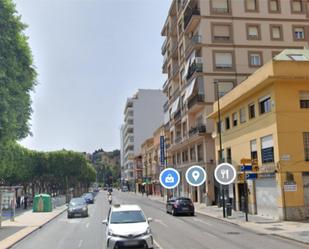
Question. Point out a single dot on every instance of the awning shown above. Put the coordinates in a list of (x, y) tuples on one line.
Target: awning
[(189, 90), (175, 106)]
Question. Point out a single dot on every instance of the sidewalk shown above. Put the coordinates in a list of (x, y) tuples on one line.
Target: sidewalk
[(13, 231), (297, 231)]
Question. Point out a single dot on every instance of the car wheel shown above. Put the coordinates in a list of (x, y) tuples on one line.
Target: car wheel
[(173, 212), (192, 214)]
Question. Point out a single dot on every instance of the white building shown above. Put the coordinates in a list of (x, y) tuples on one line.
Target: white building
[(143, 114)]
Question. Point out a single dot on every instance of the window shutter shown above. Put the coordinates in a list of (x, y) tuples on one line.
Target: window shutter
[(304, 95), (223, 59), (267, 142), (221, 31)]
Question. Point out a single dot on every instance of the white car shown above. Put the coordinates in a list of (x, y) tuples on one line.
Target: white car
[(127, 227)]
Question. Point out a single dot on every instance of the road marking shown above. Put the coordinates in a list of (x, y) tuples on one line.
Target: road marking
[(87, 225), (80, 243), (161, 222), (211, 235), (157, 244), (206, 223)]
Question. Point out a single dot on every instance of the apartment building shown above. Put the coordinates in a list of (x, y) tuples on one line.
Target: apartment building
[(265, 119), (143, 113), (220, 41)]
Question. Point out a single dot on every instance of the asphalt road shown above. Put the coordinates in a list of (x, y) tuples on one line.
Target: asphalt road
[(181, 232)]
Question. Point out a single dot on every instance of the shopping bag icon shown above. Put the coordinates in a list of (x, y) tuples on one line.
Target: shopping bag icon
[(169, 179)]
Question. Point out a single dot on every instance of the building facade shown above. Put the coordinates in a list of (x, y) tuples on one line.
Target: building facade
[(143, 113), (265, 119), (220, 41)]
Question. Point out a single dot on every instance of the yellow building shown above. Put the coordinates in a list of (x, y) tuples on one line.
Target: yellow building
[(266, 118)]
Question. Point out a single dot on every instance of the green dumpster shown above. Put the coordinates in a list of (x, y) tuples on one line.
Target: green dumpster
[(42, 203)]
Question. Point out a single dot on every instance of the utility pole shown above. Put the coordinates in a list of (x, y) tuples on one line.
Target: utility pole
[(222, 187)]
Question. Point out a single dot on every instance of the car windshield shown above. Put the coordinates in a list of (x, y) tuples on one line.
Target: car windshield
[(185, 201), (134, 216), (77, 201)]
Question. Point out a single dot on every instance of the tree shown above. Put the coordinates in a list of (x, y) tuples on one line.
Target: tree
[(17, 75)]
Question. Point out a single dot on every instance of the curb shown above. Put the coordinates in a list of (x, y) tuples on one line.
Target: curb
[(289, 238), (37, 228)]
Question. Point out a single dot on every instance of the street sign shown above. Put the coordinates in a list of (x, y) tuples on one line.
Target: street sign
[(245, 167), (195, 176), (225, 173), (169, 178), (251, 176)]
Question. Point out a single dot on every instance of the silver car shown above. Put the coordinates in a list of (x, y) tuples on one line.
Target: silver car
[(127, 227)]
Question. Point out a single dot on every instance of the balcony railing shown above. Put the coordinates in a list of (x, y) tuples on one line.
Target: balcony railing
[(200, 129), (196, 66), (175, 70), (198, 98), (163, 48), (188, 15), (178, 139), (196, 39), (177, 116), (165, 106)]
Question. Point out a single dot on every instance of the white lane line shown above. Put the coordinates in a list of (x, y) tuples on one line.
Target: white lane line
[(157, 244), (80, 243), (161, 222), (211, 235), (87, 225), (206, 223)]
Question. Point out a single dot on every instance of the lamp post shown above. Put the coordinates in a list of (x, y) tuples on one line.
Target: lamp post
[(222, 188)]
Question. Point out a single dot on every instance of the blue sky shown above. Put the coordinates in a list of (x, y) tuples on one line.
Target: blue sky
[(90, 56)]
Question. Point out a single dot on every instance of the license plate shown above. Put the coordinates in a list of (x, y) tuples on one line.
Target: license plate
[(185, 209), (130, 243), (78, 215)]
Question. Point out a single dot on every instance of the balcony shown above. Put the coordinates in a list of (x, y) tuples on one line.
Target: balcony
[(195, 67), (191, 18), (177, 116), (200, 129), (175, 70), (178, 139), (194, 41), (196, 102), (163, 48), (164, 66), (165, 106)]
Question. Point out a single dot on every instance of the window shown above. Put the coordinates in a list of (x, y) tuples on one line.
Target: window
[(306, 145), (184, 129), (234, 116), (220, 6), (251, 110), (222, 32), (253, 150), (228, 155), (253, 32), (297, 57), (223, 60), (265, 104), (227, 123), (299, 33), (304, 99), (200, 155), (255, 59), (296, 6), (224, 87), (242, 115), (178, 158), (276, 32), (274, 6), (192, 154), (251, 5), (267, 149)]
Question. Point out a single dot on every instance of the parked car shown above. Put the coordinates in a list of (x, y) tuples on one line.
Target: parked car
[(89, 198), (124, 188), (127, 227), (180, 205), (77, 207)]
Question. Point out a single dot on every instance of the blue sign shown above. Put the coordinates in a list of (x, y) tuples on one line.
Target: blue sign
[(196, 176), (169, 178), (162, 150), (251, 176), (246, 168)]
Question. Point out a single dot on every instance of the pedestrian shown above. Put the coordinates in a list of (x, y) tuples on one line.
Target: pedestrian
[(25, 201), (18, 202)]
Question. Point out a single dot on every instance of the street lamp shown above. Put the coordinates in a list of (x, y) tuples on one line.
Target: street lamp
[(222, 188)]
